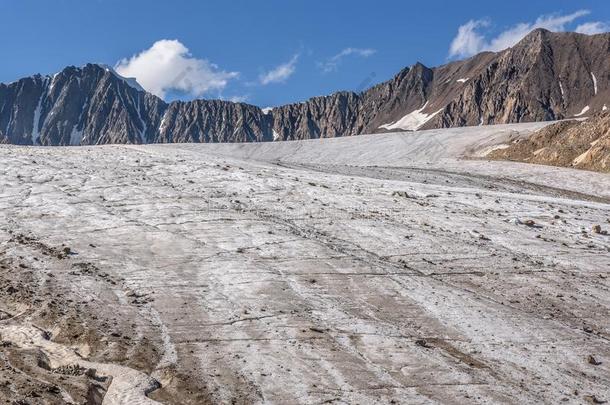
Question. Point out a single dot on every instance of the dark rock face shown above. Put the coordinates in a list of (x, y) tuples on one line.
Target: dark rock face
[(93, 105), (546, 76), (212, 121), (320, 117), (89, 105)]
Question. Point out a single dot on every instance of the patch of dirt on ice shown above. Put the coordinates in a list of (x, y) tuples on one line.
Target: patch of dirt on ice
[(60, 343), (26, 375), (126, 385), (453, 351), (578, 144)]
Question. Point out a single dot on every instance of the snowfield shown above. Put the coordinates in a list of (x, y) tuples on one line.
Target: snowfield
[(412, 121), (371, 269)]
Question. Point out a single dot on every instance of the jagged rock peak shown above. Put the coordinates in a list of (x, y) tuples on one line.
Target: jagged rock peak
[(546, 76)]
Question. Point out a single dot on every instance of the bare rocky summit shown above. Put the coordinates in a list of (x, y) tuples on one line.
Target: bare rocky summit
[(546, 76), (579, 144)]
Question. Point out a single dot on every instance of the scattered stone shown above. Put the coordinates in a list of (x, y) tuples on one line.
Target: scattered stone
[(594, 400), (53, 389), (402, 194), (598, 230), (593, 361), (423, 343), (71, 369)]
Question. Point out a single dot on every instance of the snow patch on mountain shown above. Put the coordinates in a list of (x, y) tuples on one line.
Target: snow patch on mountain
[(53, 82), (143, 123), (163, 120), (76, 136), (36, 121), (487, 150), (583, 112), (412, 121)]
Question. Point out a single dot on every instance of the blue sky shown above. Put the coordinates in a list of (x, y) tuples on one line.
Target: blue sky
[(267, 52)]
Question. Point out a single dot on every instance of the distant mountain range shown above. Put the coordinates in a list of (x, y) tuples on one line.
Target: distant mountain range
[(546, 76)]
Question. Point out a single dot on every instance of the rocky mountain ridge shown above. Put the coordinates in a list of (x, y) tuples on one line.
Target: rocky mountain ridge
[(546, 76)]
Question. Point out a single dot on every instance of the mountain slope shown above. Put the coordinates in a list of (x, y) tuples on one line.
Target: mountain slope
[(580, 144), (89, 105), (546, 76), (93, 105)]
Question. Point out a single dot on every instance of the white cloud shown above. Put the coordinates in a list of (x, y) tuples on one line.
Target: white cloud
[(594, 27), (332, 64), (470, 41), (239, 99), (168, 65), (281, 73)]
